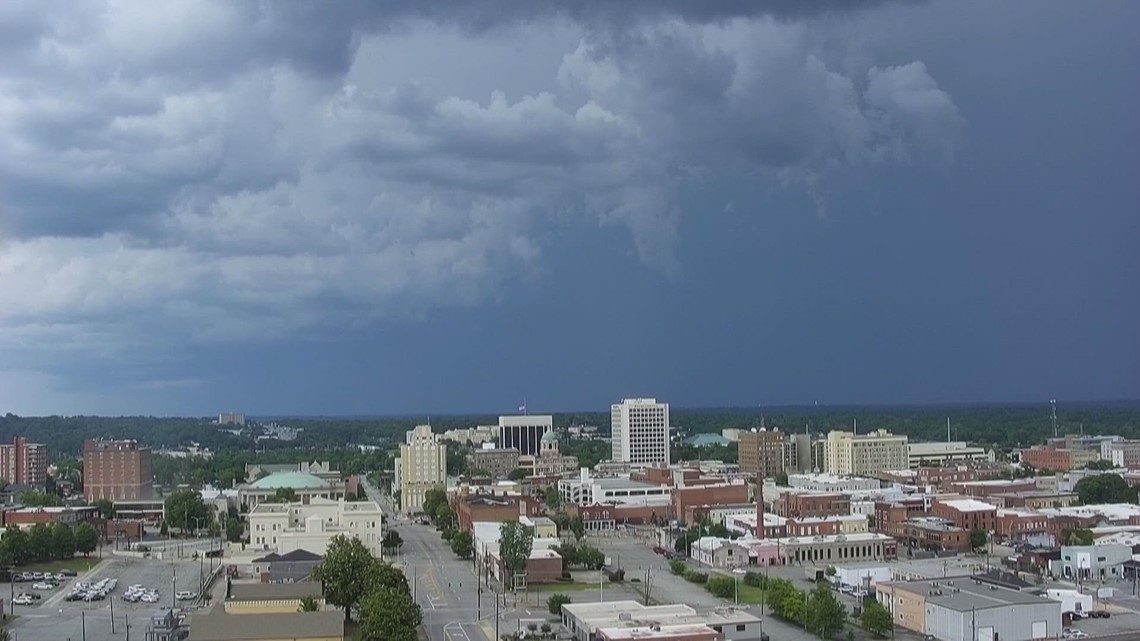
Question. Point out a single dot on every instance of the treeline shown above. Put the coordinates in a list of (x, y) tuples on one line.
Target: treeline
[(228, 466), (1003, 426)]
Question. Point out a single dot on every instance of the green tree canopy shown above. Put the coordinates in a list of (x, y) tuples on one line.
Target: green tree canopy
[(15, 546), (555, 602), (722, 586), (86, 538), (876, 619), (392, 540), (308, 604), (461, 544), (40, 499), (782, 479), (515, 542), (432, 500), (517, 474), (552, 497), (1105, 488), (40, 542), (62, 541), (106, 508), (389, 614), (978, 539), (825, 614), (185, 509), (345, 571)]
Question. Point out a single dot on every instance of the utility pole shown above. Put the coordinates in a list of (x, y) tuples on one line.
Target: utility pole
[(973, 625), (112, 601), (83, 622), (496, 614)]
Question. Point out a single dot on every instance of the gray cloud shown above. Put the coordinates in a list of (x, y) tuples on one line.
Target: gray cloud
[(204, 169)]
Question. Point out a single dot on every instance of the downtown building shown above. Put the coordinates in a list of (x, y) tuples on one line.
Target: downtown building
[(23, 463), (762, 452), (639, 430), (524, 433), (117, 471), (865, 454), (422, 466)]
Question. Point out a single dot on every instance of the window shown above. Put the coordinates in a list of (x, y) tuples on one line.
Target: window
[(740, 627)]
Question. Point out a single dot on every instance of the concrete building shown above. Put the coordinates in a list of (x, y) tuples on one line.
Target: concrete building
[(1125, 454), (862, 576), (270, 598), (305, 488), (804, 453), (231, 418), (524, 433), (963, 608), (832, 483), (1092, 562), (639, 431), (472, 435), (284, 527), (949, 453), (422, 466), (587, 490), (23, 463), (1034, 500), (761, 452), (117, 470), (865, 454), (497, 462), (584, 621), (715, 552), (837, 548)]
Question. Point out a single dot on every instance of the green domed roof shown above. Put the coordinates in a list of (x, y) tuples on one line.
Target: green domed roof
[(293, 480), (549, 437)]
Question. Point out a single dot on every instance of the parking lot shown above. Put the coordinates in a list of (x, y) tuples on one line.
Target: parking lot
[(53, 617)]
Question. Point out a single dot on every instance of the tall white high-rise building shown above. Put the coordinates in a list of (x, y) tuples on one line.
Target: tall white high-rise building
[(422, 466), (640, 431)]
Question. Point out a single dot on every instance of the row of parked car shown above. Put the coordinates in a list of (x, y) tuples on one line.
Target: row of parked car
[(92, 591), (25, 577)]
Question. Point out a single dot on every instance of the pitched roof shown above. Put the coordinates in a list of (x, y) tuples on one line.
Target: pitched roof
[(273, 591), (300, 555), (216, 625)]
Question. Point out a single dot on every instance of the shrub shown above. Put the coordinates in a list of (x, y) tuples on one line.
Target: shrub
[(678, 567), (692, 576), (756, 580), (555, 602), (722, 586)]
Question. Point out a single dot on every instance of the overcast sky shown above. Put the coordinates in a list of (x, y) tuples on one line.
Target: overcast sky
[(429, 207)]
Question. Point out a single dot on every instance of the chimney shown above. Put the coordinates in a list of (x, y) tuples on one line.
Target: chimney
[(760, 506)]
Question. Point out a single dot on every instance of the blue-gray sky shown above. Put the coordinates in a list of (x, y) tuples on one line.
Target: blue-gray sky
[(409, 207)]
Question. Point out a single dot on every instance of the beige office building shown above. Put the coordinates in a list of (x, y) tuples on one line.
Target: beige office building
[(422, 466), (865, 454)]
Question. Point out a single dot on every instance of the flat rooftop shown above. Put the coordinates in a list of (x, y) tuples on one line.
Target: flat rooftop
[(622, 483), (968, 505), (962, 594), (657, 632)]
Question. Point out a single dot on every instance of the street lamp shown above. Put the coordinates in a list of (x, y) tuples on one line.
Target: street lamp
[(197, 520)]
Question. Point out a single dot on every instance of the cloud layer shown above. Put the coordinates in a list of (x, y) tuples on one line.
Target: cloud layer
[(208, 172)]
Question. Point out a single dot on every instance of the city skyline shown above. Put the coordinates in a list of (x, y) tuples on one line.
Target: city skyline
[(415, 210)]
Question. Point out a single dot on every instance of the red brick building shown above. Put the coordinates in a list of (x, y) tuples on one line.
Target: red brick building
[(888, 513), (994, 486), (493, 508), (761, 453), (606, 517), (23, 463), (715, 494), (117, 470), (805, 504), (968, 514), (1057, 459), (1015, 525), (26, 517), (931, 533)]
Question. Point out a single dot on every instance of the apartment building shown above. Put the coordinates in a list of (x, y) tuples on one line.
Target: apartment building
[(495, 461), (23, 463), (809, 504), (761, 452), (804, 453), (1125, 454), (640, 431), (422, 466), (1058, 459), (864, 454), (117, 470)]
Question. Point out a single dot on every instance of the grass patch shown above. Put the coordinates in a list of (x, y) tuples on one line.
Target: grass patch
[(750, 595), (79, 564), (562, 587)]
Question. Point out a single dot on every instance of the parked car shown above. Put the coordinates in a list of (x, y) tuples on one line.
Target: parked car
[(68, 572), (43, 585), (23, 599), (185, 596)]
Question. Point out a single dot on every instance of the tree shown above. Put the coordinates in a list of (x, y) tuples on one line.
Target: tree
[(40, 499), (722, 586), (1100, 464), (392, 540), (39, 542), (517, 474), (576, 526), (432, 499), (86, 538), (444, 518), (678, 567), (283, 495), (876, 619), (825, 614), (163, 529), (782, 479), (386, 575), (555, 602), (461, 544), (978, 539), (308, 604), (552, 497), (1080, 536), (15, 546), (515, 542), (830, 571), (62, 541), (1105, 488), (389, 614), (106, 508), (185, 509), (235, 529), (345, 571)]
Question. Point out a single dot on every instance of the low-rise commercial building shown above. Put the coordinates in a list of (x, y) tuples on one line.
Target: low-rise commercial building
[(931, 533), (583, 621), (493, 508), (606, 517), (1092, 562), (962, 608), (807, 504), (1058, 459), (946, 453), (984, 488), (1017, 525), (685, 497), (1034, 500), (587, 490), (838, 548), (27, 517), (216, 624), (305, 487), (832, 483), (496, 462), (271, 598), (290, 567), (968, 514)]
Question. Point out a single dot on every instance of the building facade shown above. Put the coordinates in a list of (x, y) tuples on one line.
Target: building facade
[(285, 527), (117, 470), (524, 433), (497, 462), (23, 463), (948, 453), (640, 431), (549, 461), (761, 452), (962, 608), (422, 466), (866, 454)]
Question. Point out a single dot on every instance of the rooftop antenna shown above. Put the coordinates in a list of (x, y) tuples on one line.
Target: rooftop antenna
[(1053, 402)]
